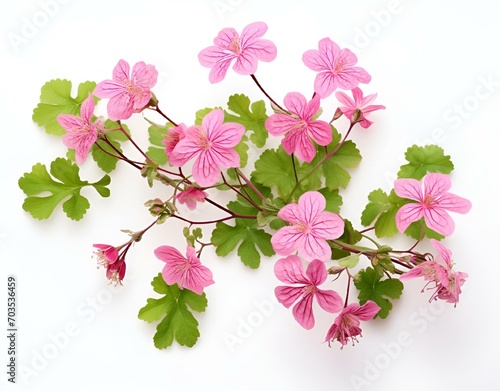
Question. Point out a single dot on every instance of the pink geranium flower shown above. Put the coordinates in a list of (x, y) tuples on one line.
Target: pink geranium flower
[(186, 272), (439, 271), (291, 271), (433, 200), (81, 132), (174, 135), (127, 93), (299, 126), (336, 68), (310, 228), (191, 196), (246, 49), (359, 103), (346, 325), (114, 262), (212, 144)]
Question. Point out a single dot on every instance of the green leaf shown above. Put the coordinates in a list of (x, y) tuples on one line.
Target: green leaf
[(245, 234), (104, 160), (350, 236), (177, 321), (156, 151), (274, 168), (333, 199), (39, 182), (350, 261), (415, 231), (383, 209), (371, 288), (56, 99), (422, 160), (253, 117), (335, 168)]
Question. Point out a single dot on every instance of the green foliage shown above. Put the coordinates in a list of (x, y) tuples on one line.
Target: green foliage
[(177, 321), (350, 261), (333, 199), (67, 188), (105, 161), (156, 150), (350, 236), (371, 288), (55, 99), (422, 160), (383, 209), (245, 234), (252, 117)]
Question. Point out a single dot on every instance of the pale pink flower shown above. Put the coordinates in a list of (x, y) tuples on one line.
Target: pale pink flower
[(114, 262), (81, 132), (187, 273), (433, 200), (212, 144), (291, 271), (363, 104), (346, 325), (300, 127), (191, 196), (310, 229), (448, 282), (336, 68), (247, 49), (174, 135), (127, 93)]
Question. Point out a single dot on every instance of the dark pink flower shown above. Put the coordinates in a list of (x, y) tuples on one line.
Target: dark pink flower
[(291, 271), (336, 68), (173, 137), (363, 104), (310, 229), (212, 144), (114, 261), (246, 49), (299, 127), (346, 325), (127, 93), (81, 132), (191, 196), (187, 272), (447, 282), (433, 200)]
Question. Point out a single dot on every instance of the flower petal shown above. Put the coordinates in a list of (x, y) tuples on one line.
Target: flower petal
[(287, 295), (206, 172), (263, 49), (290, 270), (367, 311), (320, 132), (278, 124), (144, 76), (120, 107), (296, 103), (286, 240), (436, 184), (223, 157), (329, 300), (87, 109), (121, 72), (454, 203), (70, 122), (407, 214), (439, 220), (227, 135), (168, 254), (316, 272), (311, 204), (302, 312), (409, 188), (291, 214), (442, 251), (328, 226), (312, 247), (252, 33)]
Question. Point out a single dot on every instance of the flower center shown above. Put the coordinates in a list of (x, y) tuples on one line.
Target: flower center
[(204, 143), (235, 45), (303, 227), (338, 67), (428, 200)]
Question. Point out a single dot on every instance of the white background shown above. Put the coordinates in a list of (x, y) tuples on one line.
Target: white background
[(429, 62)]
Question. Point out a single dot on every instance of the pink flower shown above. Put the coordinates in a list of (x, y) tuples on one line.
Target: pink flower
[(439, 271), (336, 68), (291, 271), (191, 196), (127, 94), (81, 133), (212, 144), (247, 49), (433, 200), (310, 228), (173, 137), (187, 273), (359, 103), (346, 325), (114, 262), (299, 126)]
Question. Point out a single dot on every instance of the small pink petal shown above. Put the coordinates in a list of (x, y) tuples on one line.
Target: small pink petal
[(436, 184), (409, 188), (407, 214), (287, 295), (454, 203), (316, 272), (302, 312), (439, 220), (329, 300), (367, 311)]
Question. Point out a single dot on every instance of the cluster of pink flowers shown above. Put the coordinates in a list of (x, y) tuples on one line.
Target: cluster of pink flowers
[(310, 229)]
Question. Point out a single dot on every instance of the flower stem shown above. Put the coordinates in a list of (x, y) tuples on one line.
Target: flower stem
[(250, 184), (157, 109), (348, 288), (233, 216), (134, 144), (266, 94), (294, 169)]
